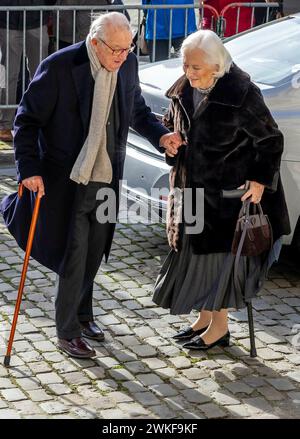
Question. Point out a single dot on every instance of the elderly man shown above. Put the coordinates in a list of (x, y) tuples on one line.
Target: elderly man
[(70, 140)]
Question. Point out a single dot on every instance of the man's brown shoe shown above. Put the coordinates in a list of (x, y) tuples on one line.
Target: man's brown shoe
[(76, 347), (92, 331), (6, 136)]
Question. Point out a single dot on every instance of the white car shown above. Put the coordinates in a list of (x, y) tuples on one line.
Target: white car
[(271, 55)]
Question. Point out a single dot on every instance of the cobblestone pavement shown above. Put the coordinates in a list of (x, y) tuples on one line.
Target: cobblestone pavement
[(139, 371)]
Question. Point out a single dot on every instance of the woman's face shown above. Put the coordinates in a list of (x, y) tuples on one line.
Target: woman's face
[(199, 73)]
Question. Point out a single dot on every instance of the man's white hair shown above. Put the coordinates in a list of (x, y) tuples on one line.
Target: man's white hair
[(212, 46), (102, 22)]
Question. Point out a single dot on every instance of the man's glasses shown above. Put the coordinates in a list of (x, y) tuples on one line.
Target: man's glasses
[(118, 52)]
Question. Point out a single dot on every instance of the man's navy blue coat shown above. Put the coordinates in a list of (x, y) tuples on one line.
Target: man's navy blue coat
[(51, 126)]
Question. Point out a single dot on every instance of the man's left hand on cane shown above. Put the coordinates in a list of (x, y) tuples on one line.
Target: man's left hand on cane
[(171, 142)]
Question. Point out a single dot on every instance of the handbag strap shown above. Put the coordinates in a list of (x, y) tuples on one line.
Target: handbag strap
[(245, 212)]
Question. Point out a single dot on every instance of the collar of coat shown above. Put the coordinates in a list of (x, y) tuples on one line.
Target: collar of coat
[(230, 90)]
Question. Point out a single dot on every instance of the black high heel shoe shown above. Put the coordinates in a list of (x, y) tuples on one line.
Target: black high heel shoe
[(199, 344), (188, 333)]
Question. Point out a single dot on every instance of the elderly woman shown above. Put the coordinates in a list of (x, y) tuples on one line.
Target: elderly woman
[(229, 138)]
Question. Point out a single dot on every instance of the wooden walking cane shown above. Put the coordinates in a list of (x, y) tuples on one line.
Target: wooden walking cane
[(24, 271)]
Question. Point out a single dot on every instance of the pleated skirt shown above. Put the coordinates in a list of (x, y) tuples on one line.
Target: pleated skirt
[(190, 281)]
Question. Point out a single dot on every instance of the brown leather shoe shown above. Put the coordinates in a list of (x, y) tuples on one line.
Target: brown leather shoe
[(92, 331), (76, 347), (6, 136)]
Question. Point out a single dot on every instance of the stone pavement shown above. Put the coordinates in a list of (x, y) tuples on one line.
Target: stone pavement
[(139, 371)]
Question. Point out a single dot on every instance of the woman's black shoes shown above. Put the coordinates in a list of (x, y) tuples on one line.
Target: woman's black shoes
[(199, 344), (188, 333)]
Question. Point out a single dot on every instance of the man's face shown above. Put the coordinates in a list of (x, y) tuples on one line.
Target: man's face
[(115, 40)]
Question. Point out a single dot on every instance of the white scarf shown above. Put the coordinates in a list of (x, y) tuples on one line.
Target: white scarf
[(93, 162)]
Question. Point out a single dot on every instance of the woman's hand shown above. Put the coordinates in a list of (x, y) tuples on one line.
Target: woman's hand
[(255, 191)]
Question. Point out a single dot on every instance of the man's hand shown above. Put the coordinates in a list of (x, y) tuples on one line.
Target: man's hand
[(171, 142), (35, 184), (255, 192)]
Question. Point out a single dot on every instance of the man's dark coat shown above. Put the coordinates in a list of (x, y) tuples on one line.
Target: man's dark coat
[(51, 126)]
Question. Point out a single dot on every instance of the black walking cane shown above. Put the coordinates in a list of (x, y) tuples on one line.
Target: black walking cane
[(23, 276), (238, 193)]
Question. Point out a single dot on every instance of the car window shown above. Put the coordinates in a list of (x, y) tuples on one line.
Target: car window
[(270, 54)]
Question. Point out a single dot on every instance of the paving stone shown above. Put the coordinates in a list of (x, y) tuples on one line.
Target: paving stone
[(222, 376), (269, 338), (137, 367), (65, 366), (225, 398), (13, 394), (121, 329), (181, 362), (121, 374), (9, 414), (75, 378), (195, 396), (146, 398), (167, 372), (257, 405), (28, 383), (294, 376), (295, 396), (45, 346), (120, 397), (143, 350), (194, 373), (238, 387), (268, 354), (294, 358), (59, 389), (238, 411), (183, 383), (53, 407), (134, 410), (144, 332), (154, 363), (40, 367), (149, 379), (27, 408), (207, 385), (281, 384), (163, 412), (271, 394), (49, 378), (128, 340), (163, 390), (6, 383), (254, 381), (39, 395), (212, 411)]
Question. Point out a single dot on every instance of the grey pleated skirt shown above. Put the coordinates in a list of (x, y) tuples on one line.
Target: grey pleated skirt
[(189, 281)]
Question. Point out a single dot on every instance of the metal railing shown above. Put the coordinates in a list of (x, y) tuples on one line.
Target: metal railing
[(136, 11)]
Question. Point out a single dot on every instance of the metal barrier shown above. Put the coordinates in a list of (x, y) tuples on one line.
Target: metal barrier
[(10, 99), (237, 6)]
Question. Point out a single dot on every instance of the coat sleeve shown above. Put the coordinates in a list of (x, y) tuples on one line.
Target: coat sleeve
[(144, 121), (33, 114), (267, 141)]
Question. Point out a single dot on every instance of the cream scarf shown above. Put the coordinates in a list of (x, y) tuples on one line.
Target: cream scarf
[(93, 162)]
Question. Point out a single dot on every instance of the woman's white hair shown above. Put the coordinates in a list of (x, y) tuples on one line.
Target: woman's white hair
[(116, 20), (212, 46)]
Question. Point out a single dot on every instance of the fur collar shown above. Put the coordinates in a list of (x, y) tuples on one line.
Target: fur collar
[(230, 90)]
